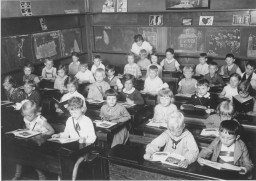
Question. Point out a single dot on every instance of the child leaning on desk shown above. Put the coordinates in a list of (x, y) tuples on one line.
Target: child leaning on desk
[(28, 74), (188, 84), (228, 148), (78, 125), (115, 113), (33, 121), (176, 139), (230, 90)]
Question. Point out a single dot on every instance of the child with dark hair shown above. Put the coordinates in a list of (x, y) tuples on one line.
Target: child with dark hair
[(60, 79), (30, 92), (28, 74), (228, 148), (249, 74), (73, 67), (13, 93), (139, 44), (154, 61), (113, 80), (230, 68), (49, 72), (230, 90), (170, 63), (97, 63), (131, 67), (213, 76)]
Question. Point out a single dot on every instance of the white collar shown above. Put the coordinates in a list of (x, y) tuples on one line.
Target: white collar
[(207, 95), (130, 91), (30, 122)]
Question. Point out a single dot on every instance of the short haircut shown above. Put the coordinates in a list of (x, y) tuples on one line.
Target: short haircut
[(230, 126), (138, 37), (71, 80), (245, 87), (110, 67), (83, 65), (75, 103), (213, 64), (236, 75), (130, 54), (29, 82), (100, 70), (176, 119), (169, 50), (230, 55), (76, 54), (203, 55), (111, 92), (166, 92), (10, 80), (30, 66), (127, 77), (143, 52), (154, 54), (63, 67), (188, 69), (226, 108), (48, 59), (153, 67), (97, 57), (203, 82), (30, 105), (251, 63)]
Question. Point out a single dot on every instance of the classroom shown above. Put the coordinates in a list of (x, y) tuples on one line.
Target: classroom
[(128, 90)]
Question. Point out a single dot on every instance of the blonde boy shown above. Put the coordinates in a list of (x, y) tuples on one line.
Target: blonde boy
[(144, 62), (202, 67)]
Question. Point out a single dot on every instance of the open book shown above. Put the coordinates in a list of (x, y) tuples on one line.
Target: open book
[(126, 104), (210, 132), (156, 124), (94, 101), (220, 166), (63, 140), (183, 95), (167, 158), (24, 133), (243, 107), (104, 124), (61, 105)]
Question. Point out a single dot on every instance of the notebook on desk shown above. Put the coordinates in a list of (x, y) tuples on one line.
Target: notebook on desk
[(194, 110), (243, 107)]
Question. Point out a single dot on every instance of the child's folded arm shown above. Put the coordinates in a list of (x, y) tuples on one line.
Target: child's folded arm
[(193, 151)]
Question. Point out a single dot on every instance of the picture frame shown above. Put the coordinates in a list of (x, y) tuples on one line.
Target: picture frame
[(186, 21), (156, 20), (187, 4)]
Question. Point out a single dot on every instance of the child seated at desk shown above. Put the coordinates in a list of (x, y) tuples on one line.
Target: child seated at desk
[(169, 63), (129, 93), (144, 62), (73, 67), (152, 82), (228, 148), (213, 77), (97, 64), (36, 122), (98, 88), (49, 72), (202, 68), (131, 67), (115, 113), (78, 125), (231, 67), (111, 79), (31, 93), (28, 70), (188, 84), (60, 79), (249, 74), (154, 60), (225, 111), (13, 93), (230, 90), (176, 139), (84, 75)]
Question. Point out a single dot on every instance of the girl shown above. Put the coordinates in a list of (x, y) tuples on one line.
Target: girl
[(154, 60), (49, 72), (188, 84), (129, 93), (225, 111), (231, 89), (60, 79), (115, 113), (36, 122), (165, 108), (28, 70), (73, 67), (170, 63), (13, 93)]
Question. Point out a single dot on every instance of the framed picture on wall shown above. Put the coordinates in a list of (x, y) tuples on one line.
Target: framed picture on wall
[(187, 4)]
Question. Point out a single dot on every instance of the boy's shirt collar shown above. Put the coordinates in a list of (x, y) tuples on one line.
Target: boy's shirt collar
[(129, 91), (184, 133), (170, 61), (207, 95), (110, 78)]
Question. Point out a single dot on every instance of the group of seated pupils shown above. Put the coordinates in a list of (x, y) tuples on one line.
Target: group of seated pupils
[(101, 83)]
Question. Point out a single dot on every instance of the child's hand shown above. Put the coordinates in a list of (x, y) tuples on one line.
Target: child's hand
[(120, 76), (151, 149), (200, 161), (55, 135), (183, 164), (209, 111), (243, 171), (147, 156)]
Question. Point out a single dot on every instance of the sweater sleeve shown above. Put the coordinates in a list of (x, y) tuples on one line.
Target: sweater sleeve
[(246, 161), (207, 152), (157, 143), (138, 99), (192, 153), (124, 116)]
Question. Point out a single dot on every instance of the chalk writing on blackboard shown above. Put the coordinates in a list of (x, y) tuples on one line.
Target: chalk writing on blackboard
[(222, 41), (251, 50)]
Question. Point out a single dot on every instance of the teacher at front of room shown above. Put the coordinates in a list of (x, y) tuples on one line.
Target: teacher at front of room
[(140, 44)]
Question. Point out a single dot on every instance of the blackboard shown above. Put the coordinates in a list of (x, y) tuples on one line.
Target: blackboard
[(251, 45)]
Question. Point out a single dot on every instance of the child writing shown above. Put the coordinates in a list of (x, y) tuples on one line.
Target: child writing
[(97, 64), (116, 113), (152, 82), (33, 121), (140, 44), (131, 67), (169, 63), (188, 84), (154, 60), (49, 72), (144, 62), (228, 148), (176, 139), (231, 67), (78, 125), (225, 111), (111, 79), (129, 93), (202, 68), (98, 88), (28, 70), (31, 93), (165, 108), (74, 65), (213, 77), (84, 75), (13, 93), (230, 90), (60, 79)]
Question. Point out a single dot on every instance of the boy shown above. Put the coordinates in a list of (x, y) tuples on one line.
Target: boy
[(131, 67), (170, 63), (144, 62), (97, 64), (74, 65), (152, 82), (231, 67), (188, 84), (98, 88), (30, 92), (249, 74), (49, 72), (154, 62), (113, 80), (84, 75), (213, 77), (228, 148), (202, 68), (176, 139)]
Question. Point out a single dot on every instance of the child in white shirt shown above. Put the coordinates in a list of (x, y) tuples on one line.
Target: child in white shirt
[(188, 84), (97, 64), (74, 65), (60, 79), (49, 72), (202, 68), (230, 90), (140, 44), (154, 60), (84, 75)]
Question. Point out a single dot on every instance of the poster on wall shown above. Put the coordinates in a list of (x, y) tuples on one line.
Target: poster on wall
[(25, 8), (109, 6), (241, 19), (187, 4), (206, 20), (156, 20), (121, 5)]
